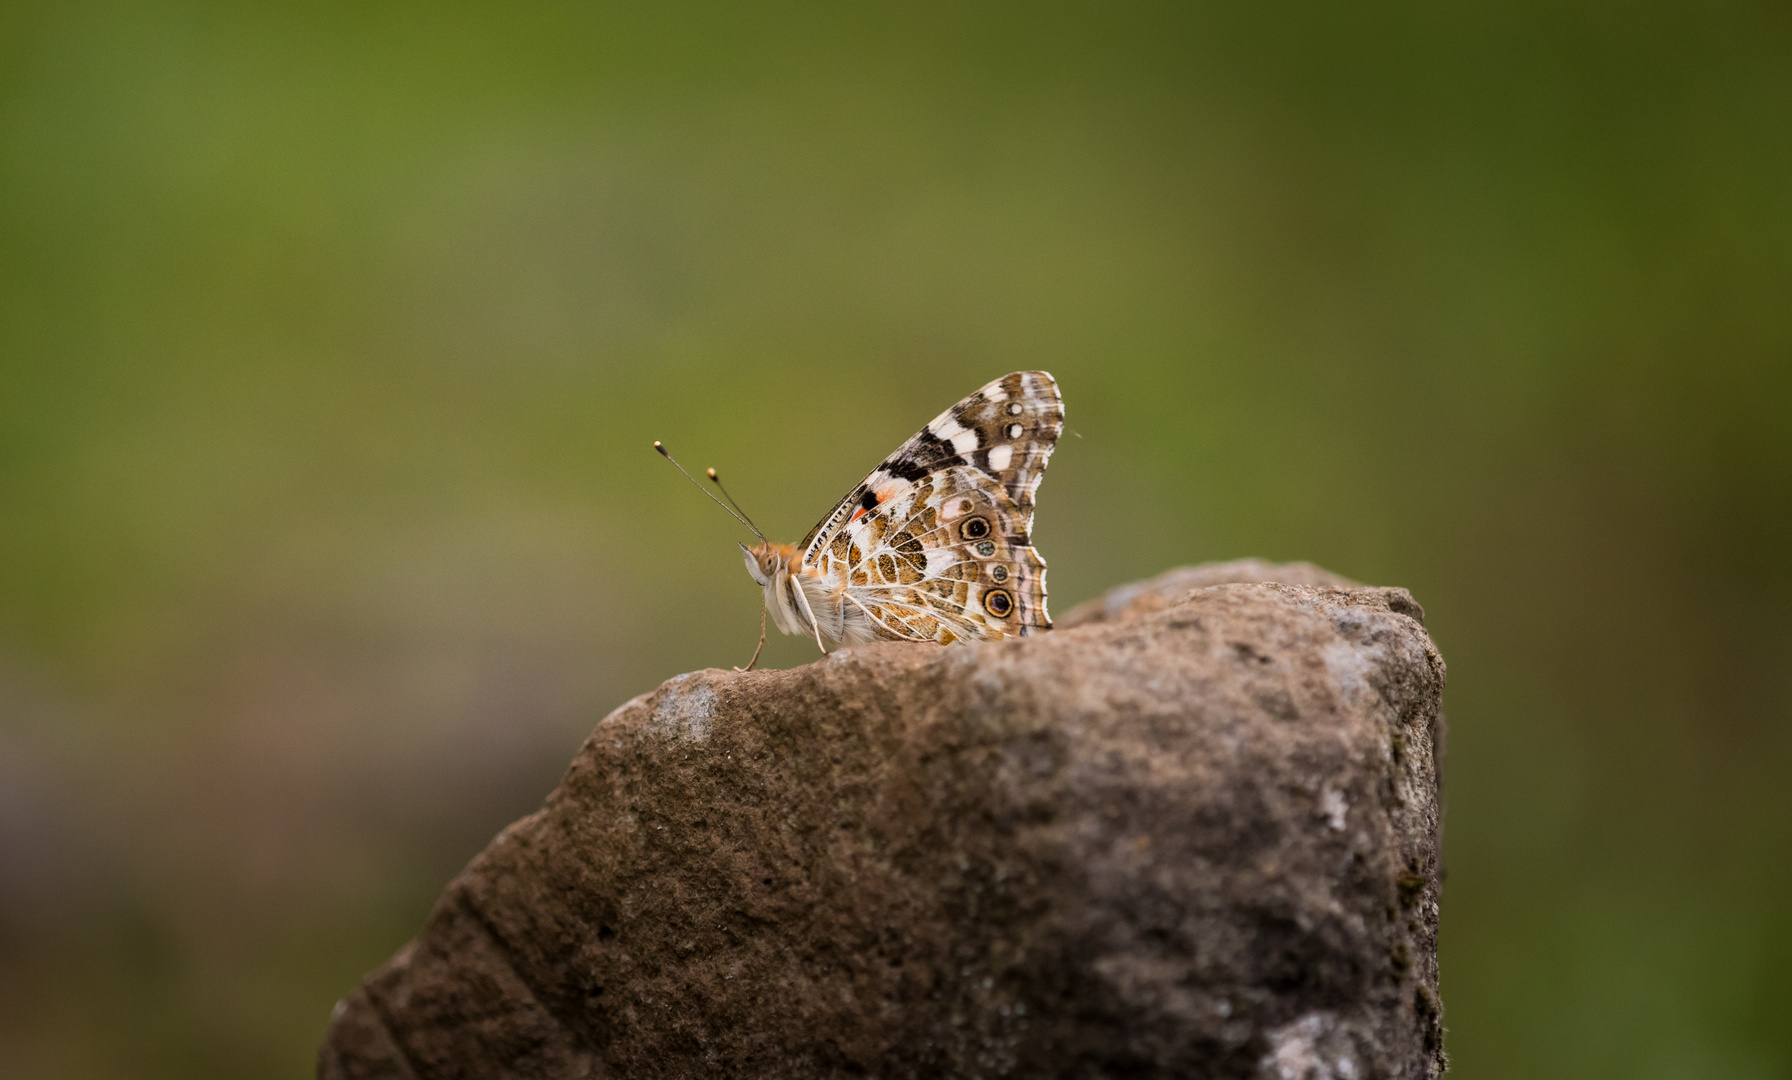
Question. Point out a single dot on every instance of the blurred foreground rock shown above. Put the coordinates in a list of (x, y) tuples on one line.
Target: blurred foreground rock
[(1192, 833)]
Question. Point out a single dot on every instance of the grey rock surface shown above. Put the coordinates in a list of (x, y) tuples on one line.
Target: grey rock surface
[(1194, 835), (1154, 594)]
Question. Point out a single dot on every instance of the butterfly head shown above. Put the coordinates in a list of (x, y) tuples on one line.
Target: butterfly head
[(766, 559)]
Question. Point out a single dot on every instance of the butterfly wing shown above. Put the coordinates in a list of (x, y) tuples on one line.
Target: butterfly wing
[(1006, 431), (948, 559)]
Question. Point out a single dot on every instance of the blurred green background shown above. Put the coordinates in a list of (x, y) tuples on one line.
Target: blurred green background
[(332, 341)]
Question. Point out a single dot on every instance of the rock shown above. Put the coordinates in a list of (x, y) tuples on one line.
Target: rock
[(1194, 836), (1155, 594)]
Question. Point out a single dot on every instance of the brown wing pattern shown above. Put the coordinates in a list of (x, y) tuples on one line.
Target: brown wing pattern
[(947, 559), (1005, 432)]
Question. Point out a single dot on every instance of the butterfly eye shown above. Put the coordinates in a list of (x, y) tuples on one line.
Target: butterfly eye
[(986, 548), (974, 529), (1000, 573), (998, 603)]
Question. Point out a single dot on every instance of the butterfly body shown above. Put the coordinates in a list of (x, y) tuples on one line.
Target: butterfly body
[(801, 600), (934, 545)]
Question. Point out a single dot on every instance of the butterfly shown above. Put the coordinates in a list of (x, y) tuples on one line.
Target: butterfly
[(935, 544)]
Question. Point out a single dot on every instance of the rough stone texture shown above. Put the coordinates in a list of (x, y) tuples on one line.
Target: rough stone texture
[(1194, 836), (1155, 594)]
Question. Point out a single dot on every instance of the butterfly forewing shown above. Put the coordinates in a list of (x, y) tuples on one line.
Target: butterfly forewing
[(1006, 430)]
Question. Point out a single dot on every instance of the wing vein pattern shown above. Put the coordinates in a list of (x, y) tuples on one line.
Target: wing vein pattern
[(936, 543)]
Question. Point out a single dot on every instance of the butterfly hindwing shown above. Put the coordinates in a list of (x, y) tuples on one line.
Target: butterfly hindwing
[(946, 560)]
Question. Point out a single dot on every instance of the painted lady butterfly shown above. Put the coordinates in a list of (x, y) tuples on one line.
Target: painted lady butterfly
[(935, 544)]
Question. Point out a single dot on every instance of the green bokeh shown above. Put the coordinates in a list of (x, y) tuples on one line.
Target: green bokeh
[(332, 341)]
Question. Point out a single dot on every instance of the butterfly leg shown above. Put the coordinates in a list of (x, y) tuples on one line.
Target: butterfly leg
[(761, 647), (802, 602)]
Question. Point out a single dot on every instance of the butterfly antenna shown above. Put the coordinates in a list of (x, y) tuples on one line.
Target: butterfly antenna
[(657, 445), (717, 481)]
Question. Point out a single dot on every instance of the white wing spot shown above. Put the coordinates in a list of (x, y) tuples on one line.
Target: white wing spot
[(965, 441), (999, 457), (949, 430), (1014, 431)]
